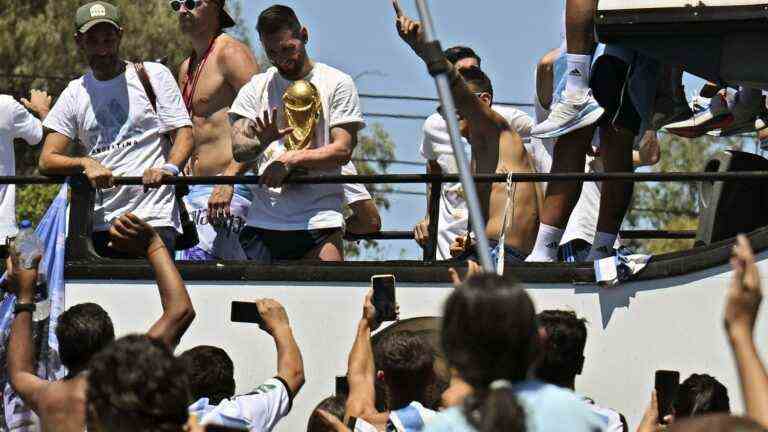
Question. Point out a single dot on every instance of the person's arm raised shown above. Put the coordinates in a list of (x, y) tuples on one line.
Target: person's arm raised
[(131, 234), (361, 370), (290, 365), (742, 305), (21, 367), (251, 137)]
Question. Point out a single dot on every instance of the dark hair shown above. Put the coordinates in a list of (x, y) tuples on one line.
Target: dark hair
[(277, 18), (83, 330), (334, 405), (137, 384), (408, 363), (211, 373), (701, 394), (475, 77), (489, 333), (717, 423), (454, 54), (563, 352)]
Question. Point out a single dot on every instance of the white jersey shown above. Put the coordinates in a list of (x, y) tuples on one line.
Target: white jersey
[(300, 207), (114, 123), (436, 146), (412, 418), (258, 411), (223, 241), (612, 418), (15, 122)]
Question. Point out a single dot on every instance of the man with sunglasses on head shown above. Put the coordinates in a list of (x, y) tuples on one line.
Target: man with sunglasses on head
[(109, 113), (210, 79), (303, 116)]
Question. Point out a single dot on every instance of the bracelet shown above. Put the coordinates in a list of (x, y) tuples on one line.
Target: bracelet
[(171, 168), (155, 249)]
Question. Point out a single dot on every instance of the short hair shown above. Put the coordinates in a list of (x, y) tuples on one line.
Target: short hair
[(211, 373), (563, 351), (137, 384), (475, 77), (334, 405), (408, 363), (717, 423), (457, 53), (701, 394), (82, 331), (277, 18)]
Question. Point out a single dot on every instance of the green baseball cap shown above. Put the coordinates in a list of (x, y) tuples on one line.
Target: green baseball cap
[(94, 13)]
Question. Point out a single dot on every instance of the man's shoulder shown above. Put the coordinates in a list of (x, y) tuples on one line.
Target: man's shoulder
[(63, 395), (231, 46), (154, 68), (549, 402)]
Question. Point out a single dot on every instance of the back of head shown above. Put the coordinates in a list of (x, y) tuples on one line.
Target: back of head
[(457, 53), (477, 80), (408, 363), (562, 356), (277, 18), (83, 330), (333, 405), (490, 337), (211, 373), (137, 384), (701, 394), (717, 423)]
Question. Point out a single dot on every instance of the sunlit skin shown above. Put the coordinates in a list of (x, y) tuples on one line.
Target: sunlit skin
[(101, 47), (287, 51), (200, 19)]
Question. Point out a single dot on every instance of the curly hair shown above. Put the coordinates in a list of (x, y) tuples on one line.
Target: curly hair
[(211, 373), (83, 330), (137, 384), (563, 352)]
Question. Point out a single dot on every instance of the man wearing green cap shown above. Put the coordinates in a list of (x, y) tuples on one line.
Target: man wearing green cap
[(119, 133)]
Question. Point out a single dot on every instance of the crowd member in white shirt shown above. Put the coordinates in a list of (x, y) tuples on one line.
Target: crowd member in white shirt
[(17, 123), (436, 148), (212, 383), (323, 114), (109, 114), (562, 359)]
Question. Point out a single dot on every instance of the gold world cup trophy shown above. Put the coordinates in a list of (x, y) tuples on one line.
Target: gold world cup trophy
[(302, 109)]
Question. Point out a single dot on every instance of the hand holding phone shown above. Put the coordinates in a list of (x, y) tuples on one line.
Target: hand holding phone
[(384, 297), (246, 312), (667, 383)]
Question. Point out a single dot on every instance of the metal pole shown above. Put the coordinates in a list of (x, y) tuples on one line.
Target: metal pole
[(449, 112)]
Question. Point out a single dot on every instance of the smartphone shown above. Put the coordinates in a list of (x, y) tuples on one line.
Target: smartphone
[(667, 383), (245, 312), (384, 297), (342, 386)]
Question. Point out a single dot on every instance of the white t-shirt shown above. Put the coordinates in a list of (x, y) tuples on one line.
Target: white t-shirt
[(300, 207), (258, 411), (612, 418), (114, 123), (436, 146), (15, 122), (353, 192)]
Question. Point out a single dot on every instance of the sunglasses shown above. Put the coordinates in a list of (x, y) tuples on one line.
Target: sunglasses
[(188, 4)]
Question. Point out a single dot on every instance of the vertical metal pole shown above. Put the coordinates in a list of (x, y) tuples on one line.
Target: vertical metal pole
[(430, 252), (449, 111)]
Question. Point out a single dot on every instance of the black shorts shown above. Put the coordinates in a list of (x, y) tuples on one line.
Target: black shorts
[(610, 85), (286, 245)]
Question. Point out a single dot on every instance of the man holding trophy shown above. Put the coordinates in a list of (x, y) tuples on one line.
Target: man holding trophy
[(320, 109)]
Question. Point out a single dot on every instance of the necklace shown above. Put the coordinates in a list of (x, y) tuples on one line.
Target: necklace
[(188, 93)]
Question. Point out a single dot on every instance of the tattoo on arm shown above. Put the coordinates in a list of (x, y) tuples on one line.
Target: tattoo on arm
[(245, 146)]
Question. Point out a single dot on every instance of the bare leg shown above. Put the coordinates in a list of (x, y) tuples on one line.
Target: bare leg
[(579, 29), (331, 250)]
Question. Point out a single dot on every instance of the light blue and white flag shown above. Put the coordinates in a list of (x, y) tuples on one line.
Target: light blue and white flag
[(52, 230)]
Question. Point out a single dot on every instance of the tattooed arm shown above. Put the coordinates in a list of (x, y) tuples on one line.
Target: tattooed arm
[(250, 138)]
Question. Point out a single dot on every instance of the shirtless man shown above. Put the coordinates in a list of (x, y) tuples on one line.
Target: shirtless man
[(210, 80), (496, 148)]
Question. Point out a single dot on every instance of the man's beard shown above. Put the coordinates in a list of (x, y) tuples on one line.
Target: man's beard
[(293, 71)]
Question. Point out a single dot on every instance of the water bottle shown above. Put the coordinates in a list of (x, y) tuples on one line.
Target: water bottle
[(28, 245)]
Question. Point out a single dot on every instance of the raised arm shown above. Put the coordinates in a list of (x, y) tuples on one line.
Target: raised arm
[(742, 305), (21, 368), (361, 369), (290, 365), (251, 137), (131, 234)]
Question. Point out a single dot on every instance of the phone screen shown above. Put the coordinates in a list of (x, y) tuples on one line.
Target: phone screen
[(342, 386), (245, 312), (384, 297), (667, 383)]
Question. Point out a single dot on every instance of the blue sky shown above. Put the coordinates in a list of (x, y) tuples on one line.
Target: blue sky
[(359, 36)]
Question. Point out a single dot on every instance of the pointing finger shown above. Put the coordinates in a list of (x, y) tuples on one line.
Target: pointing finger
[(398, 9)]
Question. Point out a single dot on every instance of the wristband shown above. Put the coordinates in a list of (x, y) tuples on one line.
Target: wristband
[(171, 168), (24, 307)]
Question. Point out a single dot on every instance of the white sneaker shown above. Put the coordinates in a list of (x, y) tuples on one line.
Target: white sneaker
[(568, 115)]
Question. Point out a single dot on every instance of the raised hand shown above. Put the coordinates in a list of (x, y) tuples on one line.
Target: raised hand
[(473, 269), (267, 130), (421, 232), (273, 315), (39, 102), (744, 295), (130, 234), (409, 30), (369, 311), (19, 280)]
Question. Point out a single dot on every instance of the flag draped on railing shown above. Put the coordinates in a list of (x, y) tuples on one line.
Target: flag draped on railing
[(52, 230)]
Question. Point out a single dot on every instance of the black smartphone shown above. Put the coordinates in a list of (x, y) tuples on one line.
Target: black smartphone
[(342, 386), (384, 297), (667, 383), (245, 312)]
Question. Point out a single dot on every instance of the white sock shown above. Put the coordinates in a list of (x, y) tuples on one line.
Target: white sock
[(579, 66), (602, 247), (547, 244)]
